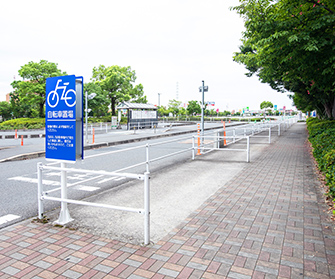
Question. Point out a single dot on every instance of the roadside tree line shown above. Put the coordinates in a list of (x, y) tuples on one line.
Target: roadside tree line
[(193, 108), (111, 84), (290, 45)]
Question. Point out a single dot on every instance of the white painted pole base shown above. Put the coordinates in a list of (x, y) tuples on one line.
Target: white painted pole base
[(64, 216)]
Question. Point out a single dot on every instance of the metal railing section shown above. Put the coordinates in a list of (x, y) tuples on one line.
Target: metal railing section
[(237, 134), (205, 148), (64, 216), (217, 136)]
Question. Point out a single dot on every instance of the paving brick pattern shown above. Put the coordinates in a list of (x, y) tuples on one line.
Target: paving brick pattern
[(270, 221)]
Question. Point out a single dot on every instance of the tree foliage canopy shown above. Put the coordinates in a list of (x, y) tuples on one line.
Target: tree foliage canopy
[(99, 104), (174, 106), (31, 90), (5, 111), (117, 82), (266, 104), (290, 45), (193, 107)]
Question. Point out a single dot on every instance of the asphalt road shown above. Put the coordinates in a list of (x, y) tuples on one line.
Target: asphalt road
[(18, 179)]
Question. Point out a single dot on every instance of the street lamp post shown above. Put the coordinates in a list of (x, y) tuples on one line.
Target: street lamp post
[(159, 99), (91, 96), (203, 89), (202, 112)]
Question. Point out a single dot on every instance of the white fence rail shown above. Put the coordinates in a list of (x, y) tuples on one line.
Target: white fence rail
[(64, 216), (218, 138)]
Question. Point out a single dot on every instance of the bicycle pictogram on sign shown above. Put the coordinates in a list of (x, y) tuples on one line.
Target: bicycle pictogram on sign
[(68, 96)]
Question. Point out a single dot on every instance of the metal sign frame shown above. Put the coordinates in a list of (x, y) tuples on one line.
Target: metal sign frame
[(64, 118)]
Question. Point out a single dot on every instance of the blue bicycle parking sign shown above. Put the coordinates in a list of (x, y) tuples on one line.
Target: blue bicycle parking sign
[(61, 123)]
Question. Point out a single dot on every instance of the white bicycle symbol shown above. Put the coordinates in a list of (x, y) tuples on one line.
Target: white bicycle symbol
[(68, 96)]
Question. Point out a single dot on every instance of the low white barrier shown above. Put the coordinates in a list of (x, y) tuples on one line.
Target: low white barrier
[(64, 216), (216, 143)]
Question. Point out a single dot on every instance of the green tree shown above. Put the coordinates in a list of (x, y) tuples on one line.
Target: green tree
[(182, 111), (118, 83), (31, 90), (162, 111), (289, 44), (174, 106), (5, 111), (98, 104), (266, 104), (225, 113), (20, 108), (212, 112), (137, 93), (193, 107)]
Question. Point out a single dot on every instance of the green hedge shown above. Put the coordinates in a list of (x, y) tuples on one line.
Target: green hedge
[(39, 123), (322, 138), (23, 123)]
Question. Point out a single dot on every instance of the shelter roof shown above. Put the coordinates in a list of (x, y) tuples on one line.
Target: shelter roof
[(127, 105)]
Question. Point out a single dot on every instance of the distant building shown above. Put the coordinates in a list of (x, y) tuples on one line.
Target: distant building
[(7, 97)]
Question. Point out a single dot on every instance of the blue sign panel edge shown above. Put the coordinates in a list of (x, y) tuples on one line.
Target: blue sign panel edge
[(61, 117)]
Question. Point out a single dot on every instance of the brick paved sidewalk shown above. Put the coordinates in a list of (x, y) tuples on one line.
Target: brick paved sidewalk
[(270, 221)]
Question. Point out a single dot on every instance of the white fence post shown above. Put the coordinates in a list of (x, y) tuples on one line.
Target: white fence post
[(146, 209), (64, 216), (40, 190), (248, 149), (193, 147), (147, 156)]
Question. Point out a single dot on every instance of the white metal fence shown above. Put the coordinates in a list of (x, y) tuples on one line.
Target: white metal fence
[(65, 217), (218, 140)]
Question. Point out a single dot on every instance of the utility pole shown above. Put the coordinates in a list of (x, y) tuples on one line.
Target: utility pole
[(203, 89), (159, 99), (87, 97)]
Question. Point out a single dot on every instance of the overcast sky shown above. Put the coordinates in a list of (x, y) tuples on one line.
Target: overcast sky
[(171, 44)]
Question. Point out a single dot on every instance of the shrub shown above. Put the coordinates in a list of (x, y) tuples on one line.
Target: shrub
[(323, 143), (318, 127), (329, 169), (23, 123), (322, 138)]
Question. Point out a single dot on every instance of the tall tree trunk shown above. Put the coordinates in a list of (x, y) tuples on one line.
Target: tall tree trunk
[(113, 99), (328, 110), (41, 112)]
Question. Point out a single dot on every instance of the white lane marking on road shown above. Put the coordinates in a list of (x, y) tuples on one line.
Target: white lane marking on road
[(7, 218), (51, 182), (34, 180), (51, 173), (105, 180), (111, 178), (87, 188), (119, 178)]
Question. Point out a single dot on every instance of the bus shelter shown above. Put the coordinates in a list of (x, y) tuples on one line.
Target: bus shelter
[(139, 116)]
